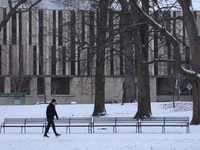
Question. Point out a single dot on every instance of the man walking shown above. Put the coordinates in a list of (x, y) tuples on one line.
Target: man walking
[(50, 113)]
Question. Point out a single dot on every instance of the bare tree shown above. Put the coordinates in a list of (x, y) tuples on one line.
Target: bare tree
[(14, 5), (99, 106), (193, 36), (127, 47)]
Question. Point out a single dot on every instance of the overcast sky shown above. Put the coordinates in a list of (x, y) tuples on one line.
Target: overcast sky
[(46, 4)]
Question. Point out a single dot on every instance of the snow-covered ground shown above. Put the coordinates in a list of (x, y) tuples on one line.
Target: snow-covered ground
[(103, 138)]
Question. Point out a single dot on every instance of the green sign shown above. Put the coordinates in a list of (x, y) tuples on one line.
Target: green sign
[(12, 94)]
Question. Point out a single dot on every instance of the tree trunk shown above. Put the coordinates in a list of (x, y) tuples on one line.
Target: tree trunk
[(141, 51), (194, 41), (196, 103), (126, 37), (99, 106)]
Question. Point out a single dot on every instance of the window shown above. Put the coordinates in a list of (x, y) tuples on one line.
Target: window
[(14, 29), (40, 86), (60, 28), (21, 70), (20, 84), (20, 28), (4, 28), (30, 27), (40, 27), (34, 60), (0, 59), (166, 86), (2, 84), (53, 60), (73, 33), (60, 86)]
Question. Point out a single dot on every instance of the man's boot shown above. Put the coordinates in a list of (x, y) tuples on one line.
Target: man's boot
[(54, 130)]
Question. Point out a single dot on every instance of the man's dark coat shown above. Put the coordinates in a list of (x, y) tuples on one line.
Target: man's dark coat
[(51, 112)]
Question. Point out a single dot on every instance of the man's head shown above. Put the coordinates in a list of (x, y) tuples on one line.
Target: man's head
[(53, 101)]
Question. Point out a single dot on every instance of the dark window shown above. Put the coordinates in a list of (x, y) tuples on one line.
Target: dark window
[(111, 48), (21, 60), (53, 60), (14, 29), (20, 28), (59, 86), (64, 60), (174, 23), (73, 32), (34, 60), (166, 86), (40, 86), (2, 84), (10, 59), (122, 50), (20, 84), (4, 28), (40, 27), (60, 28), (0, 59), (156, 47), (79, 62), (168, 26), (92, 39), (54, 27), (30, 27), (121, 56), (41, 60), (83, 28)]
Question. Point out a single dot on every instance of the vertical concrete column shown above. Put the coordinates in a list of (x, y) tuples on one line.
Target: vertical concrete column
[(33, 86), (7, 87), (153, 95), (48, 88)]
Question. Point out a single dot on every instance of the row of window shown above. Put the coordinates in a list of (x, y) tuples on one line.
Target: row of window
[(170, 86), (21, 84)]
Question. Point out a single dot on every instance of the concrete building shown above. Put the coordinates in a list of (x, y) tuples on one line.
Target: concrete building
[(40, 56)]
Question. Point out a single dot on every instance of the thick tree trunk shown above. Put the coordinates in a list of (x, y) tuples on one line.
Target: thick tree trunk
[(126, 37), (194, 40), (196, 102), (141, 51), (99, 106)]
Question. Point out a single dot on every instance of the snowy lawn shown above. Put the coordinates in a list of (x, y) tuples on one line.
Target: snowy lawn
[(103, 138)]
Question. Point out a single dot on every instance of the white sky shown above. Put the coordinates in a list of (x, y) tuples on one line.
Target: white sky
[(46, 4)]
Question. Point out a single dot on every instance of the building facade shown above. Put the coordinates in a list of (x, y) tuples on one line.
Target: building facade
[(41, 56)]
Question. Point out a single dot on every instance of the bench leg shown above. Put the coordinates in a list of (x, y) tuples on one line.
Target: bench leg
[(187, 130), (66, 129), (89, 129), (163, 129), (139, 129)]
